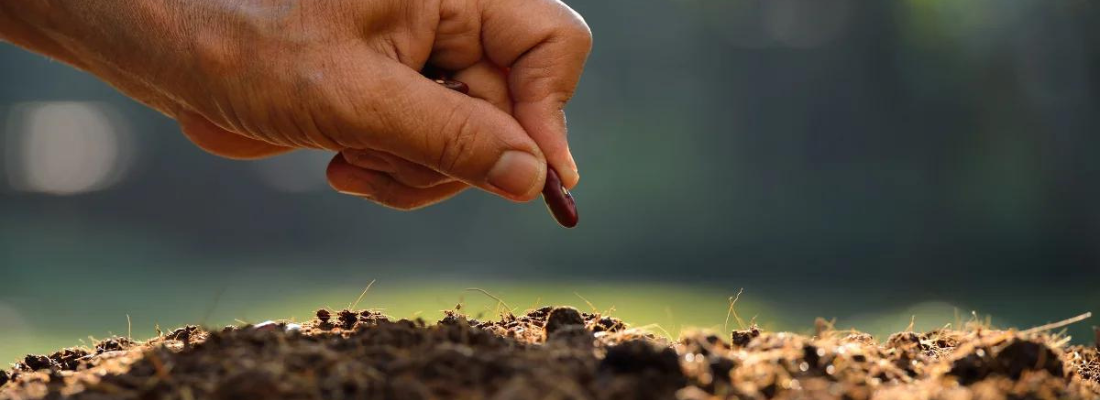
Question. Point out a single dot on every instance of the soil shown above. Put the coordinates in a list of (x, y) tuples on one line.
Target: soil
[(556, 353)]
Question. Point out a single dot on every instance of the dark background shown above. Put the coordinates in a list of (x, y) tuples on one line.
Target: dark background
[(835, 158)]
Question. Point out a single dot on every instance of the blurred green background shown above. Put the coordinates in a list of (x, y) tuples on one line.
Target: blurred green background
[(865, 161)]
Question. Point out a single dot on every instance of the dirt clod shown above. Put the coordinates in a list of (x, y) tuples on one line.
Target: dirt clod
[(68, 359), (741, 338), (1023, 355), (608, 324), (347, 319), (372, 317), (904, 340), (181, 333), (34, 362), (654, 372), (562, 317), (113, 344), (1010, 358)]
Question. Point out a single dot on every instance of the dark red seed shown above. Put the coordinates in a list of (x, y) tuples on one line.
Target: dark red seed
[(559, 201), (457, 86)]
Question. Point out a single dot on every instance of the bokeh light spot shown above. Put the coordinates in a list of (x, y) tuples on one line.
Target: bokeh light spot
[(65, 147)]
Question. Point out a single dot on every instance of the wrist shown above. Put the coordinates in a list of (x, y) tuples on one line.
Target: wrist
[(26, 24), (104, 37)]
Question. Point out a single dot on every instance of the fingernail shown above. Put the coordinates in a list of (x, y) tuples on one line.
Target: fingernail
[(516, 172), (570, 175)]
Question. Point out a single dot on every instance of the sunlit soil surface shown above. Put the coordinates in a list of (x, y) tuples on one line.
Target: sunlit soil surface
[(562, 353)]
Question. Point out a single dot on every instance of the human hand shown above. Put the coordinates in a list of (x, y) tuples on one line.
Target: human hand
[(256, 78)]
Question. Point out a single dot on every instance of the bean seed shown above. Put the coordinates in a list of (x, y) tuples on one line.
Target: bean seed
[(454, 85), (558, 200)]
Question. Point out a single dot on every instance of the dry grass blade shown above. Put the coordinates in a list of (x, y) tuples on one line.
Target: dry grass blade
[(590, 305), (213, 304), (485, 292), (646, 328), (1056, 325), (731, 311), (352, 306)]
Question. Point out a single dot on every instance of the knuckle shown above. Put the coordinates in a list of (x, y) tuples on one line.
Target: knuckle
[(580, 34), (577, 31), (420, 180)]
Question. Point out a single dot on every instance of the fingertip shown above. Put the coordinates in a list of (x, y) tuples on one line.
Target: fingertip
[(349, 179), (338, 173), (569, 175), (382, 189)]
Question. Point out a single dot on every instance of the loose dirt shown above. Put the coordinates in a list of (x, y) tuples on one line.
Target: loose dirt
[(556, 353)]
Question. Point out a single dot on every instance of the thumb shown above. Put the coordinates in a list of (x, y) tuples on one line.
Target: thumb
[(463, 137)]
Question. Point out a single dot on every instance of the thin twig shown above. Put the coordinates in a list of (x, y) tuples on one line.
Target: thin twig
[(485, 292), (1062, 342), (351, 306), (129, 327), (655, 325), (1056, 325), (590, 305), (213, 305), (733, 301)]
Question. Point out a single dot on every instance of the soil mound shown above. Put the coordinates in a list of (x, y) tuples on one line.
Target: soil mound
[(554, 353)]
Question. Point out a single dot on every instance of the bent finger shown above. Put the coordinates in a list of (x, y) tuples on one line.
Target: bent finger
[(416, 119), (215, 140), (404, 171), (380, 188)]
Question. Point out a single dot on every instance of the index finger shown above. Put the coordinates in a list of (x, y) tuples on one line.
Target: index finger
[(544, 44)]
